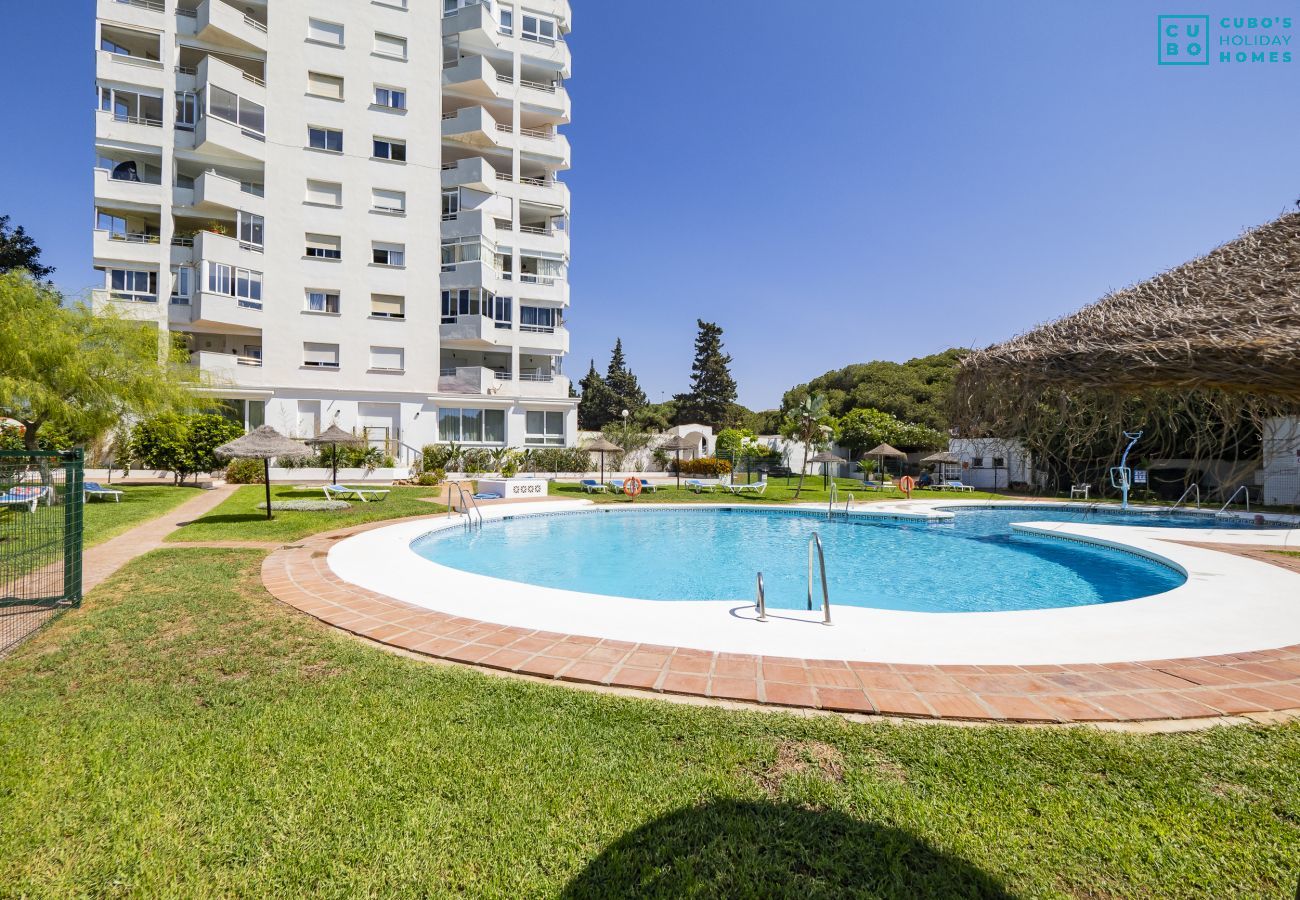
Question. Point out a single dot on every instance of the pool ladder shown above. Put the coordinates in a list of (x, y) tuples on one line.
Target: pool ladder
[(1242, 489), (760, 596), (834, 498), (1193, 487), (467, 507)]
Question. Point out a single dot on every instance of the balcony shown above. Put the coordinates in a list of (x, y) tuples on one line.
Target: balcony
[(474, 127), (219, 192), (541, 239), (546, 191), (475, 332), (214, 71), (122, 129), (544, 339), (467, 380), (547, 97), (141, 13), (473, 76), (139, 309), (546, 144), (212, 247), (220, 23), (218, 310), (116, 246), (229, 369), (476, 29), (122, 192), (476, 173), (539, 386), (218, 137), (134, 70)]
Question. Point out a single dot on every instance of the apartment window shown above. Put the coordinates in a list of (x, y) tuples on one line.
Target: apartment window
[(538, 29), (137, 285), (187, 110), (387, 306), (232, 281), (328, 86), (386, 148), (450, 204), (390, 45), (999, 462), (501, 311), (538, 318), (388, 359), (182, 285), (472, 302), (320, 356), (325, 139), (977, 462), (390, 98), (476, 426), (247, 414), (388, 254), (389, 201), (323, 32), (323, 302), (114, 225), (252, 231), (130, 106), (324, 246), (465, 249), (232, 108), (544, 428), (507, 21), (324, 193), (541, 269)]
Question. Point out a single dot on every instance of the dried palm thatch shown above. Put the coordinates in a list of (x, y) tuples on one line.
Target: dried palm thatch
[(1198, 357)]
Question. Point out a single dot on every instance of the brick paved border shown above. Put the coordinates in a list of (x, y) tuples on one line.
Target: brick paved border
[(1202, 688)]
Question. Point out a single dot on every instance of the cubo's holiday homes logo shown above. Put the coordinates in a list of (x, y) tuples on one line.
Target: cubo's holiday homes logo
[(1187, 40)]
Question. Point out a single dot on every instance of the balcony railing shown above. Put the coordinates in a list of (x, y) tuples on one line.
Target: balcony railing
[(133, 237), (536, 376), (151, 5), (537, 86), (536, 229), (179, 241), (253, 23), (538, 329), (130, 60), (187, 13), (530, 278), (543, 134), (138, 120)]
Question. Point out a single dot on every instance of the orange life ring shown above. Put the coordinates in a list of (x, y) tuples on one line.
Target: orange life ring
[(632, 486), (907, 483)]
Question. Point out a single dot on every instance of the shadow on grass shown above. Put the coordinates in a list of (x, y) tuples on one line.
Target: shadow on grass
[(730, 848)]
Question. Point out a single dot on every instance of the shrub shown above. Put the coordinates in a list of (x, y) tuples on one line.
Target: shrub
[(431, 479), (245, 471), (509, 469), (183, 445), (709, 466)]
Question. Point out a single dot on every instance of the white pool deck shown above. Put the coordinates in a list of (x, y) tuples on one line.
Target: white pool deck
[(1229, 604)]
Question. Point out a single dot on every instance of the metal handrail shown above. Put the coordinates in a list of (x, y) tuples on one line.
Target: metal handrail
[(830, 511), (1191, 487), (1240, 488), (760, 599), (465, 506), (849, 502), (816, 541)]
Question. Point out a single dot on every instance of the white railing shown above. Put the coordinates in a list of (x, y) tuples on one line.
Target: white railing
[(537, 86), (528, 278), (129, 60), (447, 373), (536, 229), (253, 78), (505, 79), (138, 120), (151, 5), (178, 241), (187, 13), (536, 182), (133, 237), (139, 179), (133, 298), (538, 329), (536, 376), (249, 361), (538, 133), (503, 376), (249, 20), (508, 129), (186, 70)]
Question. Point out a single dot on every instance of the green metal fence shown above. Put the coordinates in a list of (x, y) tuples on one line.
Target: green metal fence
[(41, 501)]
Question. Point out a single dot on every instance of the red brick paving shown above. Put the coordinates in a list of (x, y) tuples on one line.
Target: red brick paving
[(1154, 690)]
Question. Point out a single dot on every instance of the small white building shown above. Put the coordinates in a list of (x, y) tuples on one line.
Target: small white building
[(1279, 476), (992, 464)]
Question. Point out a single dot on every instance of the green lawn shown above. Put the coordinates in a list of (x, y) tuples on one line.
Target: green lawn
[(184, 735), (239, 519), (778, 491), (105, 519)]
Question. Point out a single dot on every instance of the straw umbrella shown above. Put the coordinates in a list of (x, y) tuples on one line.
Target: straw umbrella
[(941, 459), (262, 443), (602, 446), (334, 436), (677, 444), (882, 451), (825, 458)]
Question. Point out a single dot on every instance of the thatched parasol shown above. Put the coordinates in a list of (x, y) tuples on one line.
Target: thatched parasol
[(677, 444), (334, 436), (602, 446), (262, 443), (825, 458), (883, 450), (942, 458)]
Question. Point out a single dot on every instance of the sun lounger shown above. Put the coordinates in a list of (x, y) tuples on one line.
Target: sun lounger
[(699, 485), (956, 486), (647, 486), (24, 496), (757, 487), (344, 492), (592, 486), (95, 489)]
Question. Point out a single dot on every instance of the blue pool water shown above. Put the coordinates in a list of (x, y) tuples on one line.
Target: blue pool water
[(974, 562)]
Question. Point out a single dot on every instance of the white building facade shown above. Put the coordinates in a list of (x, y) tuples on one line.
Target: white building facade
[(347, 210)]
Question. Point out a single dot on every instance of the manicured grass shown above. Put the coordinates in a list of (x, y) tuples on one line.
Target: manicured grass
[(777, 492), (185, 735), (239, 519), (104, 518)]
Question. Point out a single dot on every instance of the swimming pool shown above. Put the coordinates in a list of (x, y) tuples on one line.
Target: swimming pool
[(973, 562)]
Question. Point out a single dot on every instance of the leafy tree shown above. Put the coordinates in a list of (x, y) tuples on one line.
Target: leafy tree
[(712, 396), (862, 429), (67, 367), (19, 252), (919, 390), (183, 445), (620, 380), (809, 423), (598, 405)]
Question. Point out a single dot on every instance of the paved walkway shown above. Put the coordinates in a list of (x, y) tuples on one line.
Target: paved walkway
[(1203, 690)]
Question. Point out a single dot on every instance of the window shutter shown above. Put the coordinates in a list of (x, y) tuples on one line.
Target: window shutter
[(321, 85), (386, 358), (390, 45), (324, 242), (391, 201), (325, 32), (320, 354), (388, 305), (326, 193)]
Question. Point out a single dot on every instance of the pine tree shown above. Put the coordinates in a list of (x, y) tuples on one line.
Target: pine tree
[(713, 391), (622, 382), (596, 406)]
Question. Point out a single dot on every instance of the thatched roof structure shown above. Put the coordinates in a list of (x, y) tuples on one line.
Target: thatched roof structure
[(335, 435), (603, 445), (885, 450), (263, 442), (1228, 321), (943, 456)]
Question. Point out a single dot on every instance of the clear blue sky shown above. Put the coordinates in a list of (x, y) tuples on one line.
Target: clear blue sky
[(831, 181)]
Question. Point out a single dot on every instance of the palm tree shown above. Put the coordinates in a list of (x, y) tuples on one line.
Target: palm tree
[(809, 424)]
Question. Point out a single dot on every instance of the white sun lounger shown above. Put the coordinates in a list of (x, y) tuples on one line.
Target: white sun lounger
[(698, 485), (95, 489), (362, 494), (757, 487)]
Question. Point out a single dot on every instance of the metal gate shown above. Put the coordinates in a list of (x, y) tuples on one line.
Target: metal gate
[(41, 502)]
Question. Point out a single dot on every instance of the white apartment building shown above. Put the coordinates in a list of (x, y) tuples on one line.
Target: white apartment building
[(347, 210)]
